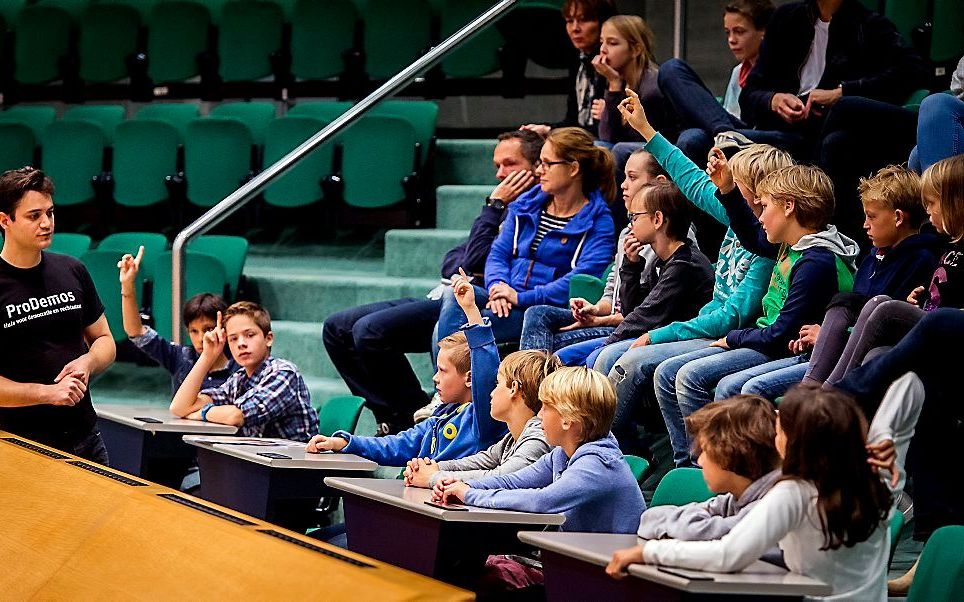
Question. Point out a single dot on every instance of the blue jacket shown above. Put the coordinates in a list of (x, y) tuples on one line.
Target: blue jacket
[(594, 489), (585, 246), (453, 431), (899, 270)]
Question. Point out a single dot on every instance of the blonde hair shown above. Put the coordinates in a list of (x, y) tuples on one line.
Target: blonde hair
[(595, 164), (581, 394), (808, 187), (641, 41), (460, 355), (894, 188), (258, 314), (945, 180), (755, 162), (528, 368)]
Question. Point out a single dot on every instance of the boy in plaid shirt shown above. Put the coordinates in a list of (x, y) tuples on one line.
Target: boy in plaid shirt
[(268, 398)]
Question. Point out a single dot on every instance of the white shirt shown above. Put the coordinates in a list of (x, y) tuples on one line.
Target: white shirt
[(812, 70), (731, 98)]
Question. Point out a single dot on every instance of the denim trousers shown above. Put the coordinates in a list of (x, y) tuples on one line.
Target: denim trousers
[(940, 131), (541, 324), (769, 380)]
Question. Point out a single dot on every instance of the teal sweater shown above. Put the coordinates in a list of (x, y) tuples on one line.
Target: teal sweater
[(741, 277)]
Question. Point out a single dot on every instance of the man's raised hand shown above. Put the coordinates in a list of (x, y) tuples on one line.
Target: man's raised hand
[(513, 185)]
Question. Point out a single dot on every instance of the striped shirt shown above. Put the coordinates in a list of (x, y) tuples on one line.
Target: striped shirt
[(547, 223)]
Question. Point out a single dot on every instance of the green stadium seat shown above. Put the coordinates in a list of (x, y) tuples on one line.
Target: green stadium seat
[(250, 32), (947, 37), (18, 146), (681, 486), (145, 153), (322, 110), (203, 274), (106, 117), (231, 251), (312, 20), (480, 56), (421, 114), (215, 7), (108, 37), (302, 184), (906, 15), (68, 243), (40, 44), (637, 465), (10, 8), (586, 286), (127, 242), (35, 117), (177, 34), (217, 158), (102, 266), (940, 572), (379, 152), (73, 7), (255, 115), (390, 48), (177, 114), (143, 7), (73, 152), (340, 413), (896, 527)]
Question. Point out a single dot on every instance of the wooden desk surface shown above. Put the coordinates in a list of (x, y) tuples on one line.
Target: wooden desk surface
[(129, 415), (394, 493), (298, 457), (69, 533), (760, 578)]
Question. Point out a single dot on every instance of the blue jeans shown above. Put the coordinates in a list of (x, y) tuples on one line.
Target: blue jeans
[(685, 384), (940, 131), (632, 376), (541, 324), (769, 380), (451, 318), (603, 359), (577, 353)]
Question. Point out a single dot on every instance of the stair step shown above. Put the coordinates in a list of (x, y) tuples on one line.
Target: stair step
[(464, 161), (419, 253), (458, 206)]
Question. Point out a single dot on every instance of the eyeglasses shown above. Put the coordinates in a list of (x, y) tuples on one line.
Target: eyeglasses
[(547, 164), (632, 215)]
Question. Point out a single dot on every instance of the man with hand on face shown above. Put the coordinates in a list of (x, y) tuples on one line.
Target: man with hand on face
[(54, 334)]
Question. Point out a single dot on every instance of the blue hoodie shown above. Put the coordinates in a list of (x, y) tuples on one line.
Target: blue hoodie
[(594, 489), (900, 269), (585, 246), (453, 431)]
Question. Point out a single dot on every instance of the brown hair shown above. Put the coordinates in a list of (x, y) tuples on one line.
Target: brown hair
[(581, 394), (757, 12), (738, 434), (826, 434), (653, 168), (258, 314), (15, 183), (206, 305), (528, 368), (641, 40), (598, 10), (458, 346), (808, 187), (894, 188), (530, 143), (945, 180), (757, 161), (665, 197), (595, 164)]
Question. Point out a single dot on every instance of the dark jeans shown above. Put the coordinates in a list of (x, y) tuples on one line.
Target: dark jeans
[(940, 131), (368, 343), (929, 350), (91, 448)]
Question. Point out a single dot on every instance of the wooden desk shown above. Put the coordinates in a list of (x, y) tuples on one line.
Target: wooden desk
[(153, 450), (574, 564), (391, 522), (69, 533), (284, 491)]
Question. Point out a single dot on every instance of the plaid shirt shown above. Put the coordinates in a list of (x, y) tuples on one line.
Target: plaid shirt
[(274, 401)]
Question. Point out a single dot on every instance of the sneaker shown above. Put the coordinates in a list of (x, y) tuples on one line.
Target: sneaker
[(424, 412), (905, 505), (731, 142)]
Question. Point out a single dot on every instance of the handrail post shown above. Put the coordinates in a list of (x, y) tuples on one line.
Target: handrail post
[(679, 29), (249, 190)]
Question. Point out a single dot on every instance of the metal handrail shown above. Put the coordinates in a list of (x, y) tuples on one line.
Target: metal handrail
[(249, 190)]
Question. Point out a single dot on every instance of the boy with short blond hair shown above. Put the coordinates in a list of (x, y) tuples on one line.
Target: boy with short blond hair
[(266, 398)]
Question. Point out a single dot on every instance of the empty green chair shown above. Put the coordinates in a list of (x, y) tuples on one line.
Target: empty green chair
[(202, 274), (637, 465), (396, 33), (102, 266), (108, 37), (379, 152), (10, 8), (177, 34), (215, 7), (312, 20), (681, 486), (421, 114), (68, 243), (73, 153), (107, 117), (127, 242), (340, 414), (145, 153), (143, 7), (177, 114), (73, 7), (896, 528), (301, 185), (906, 15), (940, 573), (36, 117), (586, 286), (478, 57), (255, 115), (231, 251), (322, 110), (217, 157), (18, 146), (947, 36), (41, 43), (250, 33)]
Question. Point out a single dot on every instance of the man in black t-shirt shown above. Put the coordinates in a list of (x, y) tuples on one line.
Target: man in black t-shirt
[(53, 331)]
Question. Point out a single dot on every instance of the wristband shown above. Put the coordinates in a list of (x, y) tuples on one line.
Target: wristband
[(204, 412)]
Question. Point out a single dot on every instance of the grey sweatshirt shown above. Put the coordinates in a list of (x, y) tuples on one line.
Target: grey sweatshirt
[(503, 457)]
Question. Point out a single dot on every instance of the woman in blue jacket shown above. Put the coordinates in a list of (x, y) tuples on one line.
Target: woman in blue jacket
[(557, 229)]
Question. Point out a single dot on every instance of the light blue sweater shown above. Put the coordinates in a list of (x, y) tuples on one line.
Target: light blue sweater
[(741, 277), (594, 489)]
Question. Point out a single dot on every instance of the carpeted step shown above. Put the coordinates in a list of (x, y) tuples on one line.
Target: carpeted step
[(464, 161), (419, 253), (458, 206)]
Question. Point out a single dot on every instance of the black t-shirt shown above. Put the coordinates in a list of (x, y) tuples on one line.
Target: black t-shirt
[(43, 313)]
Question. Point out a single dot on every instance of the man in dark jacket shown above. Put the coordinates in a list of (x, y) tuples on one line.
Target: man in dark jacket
[(367, 344)]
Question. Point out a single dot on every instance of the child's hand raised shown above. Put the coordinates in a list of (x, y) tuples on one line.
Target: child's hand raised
[(719, 171), (320, 443), (212, 345), (631, 108), (465, 295), (129, 266)]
